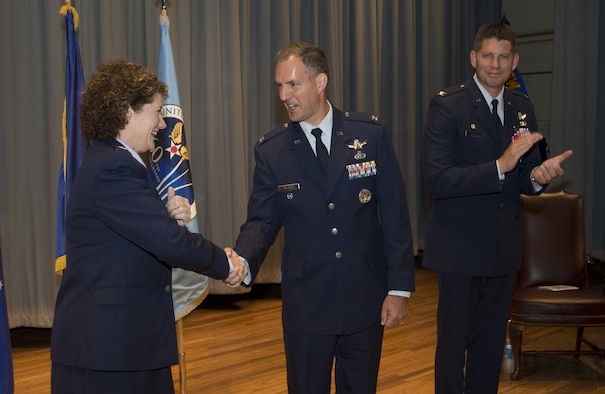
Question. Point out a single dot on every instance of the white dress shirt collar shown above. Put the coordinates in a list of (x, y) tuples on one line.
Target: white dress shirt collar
[(325, 125), (488, 97), (132, 152)]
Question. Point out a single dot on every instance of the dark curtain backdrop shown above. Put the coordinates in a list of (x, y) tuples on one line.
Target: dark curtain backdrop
[(387, 57)]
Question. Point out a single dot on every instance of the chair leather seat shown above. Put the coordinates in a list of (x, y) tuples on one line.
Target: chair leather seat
[(553, 252), (569, 307)]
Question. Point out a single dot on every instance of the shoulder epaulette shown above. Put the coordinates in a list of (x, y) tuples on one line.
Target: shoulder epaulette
[(361, 117), (518, 93), (451, 90), (273, 133)]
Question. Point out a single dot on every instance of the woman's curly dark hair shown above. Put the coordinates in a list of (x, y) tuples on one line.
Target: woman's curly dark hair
[(116, 86)]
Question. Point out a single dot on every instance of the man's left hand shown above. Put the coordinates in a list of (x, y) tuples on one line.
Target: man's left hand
[(550, 169), (394, 310)]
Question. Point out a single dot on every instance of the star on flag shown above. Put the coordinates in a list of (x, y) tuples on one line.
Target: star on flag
[(174, 149)]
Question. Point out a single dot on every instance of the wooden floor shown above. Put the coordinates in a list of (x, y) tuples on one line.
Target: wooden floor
[(233, 344)]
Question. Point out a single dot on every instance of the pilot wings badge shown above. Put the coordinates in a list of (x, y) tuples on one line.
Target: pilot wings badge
[(357, 145)]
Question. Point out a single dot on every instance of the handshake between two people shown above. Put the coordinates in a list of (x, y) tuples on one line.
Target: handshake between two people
[(240, 270), (180, 210)]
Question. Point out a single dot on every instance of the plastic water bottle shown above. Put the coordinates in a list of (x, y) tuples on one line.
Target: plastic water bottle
[(508, 363)]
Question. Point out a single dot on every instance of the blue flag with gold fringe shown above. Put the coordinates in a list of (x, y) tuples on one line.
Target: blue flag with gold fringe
[(7, 383), (516, 82), (169, 166), (74, 142)]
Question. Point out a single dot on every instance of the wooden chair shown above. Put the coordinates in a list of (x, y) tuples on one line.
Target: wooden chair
[(554, 254)]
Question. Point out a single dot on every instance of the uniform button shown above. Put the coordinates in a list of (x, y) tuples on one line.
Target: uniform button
[(331, 206), (168, 288), (338, 255), (334, 231)]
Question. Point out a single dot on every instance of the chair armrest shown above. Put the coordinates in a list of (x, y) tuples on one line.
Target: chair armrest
[(595, 269)]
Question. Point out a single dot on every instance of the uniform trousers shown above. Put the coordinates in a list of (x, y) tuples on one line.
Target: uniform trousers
[(356, 359), (472, 321)]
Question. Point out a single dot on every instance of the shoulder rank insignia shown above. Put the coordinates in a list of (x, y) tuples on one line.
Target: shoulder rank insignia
[(361, 116), (450, 90)]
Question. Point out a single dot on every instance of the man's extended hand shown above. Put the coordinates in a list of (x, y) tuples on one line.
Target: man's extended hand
[(239, 272)]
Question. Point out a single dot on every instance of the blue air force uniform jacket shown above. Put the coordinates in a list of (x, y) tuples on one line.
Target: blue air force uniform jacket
[(347, 238), (114, 308), (474, 224)]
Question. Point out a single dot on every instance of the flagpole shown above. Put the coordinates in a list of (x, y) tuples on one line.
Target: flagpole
[(188, 288), (182, 364), (74, 141)]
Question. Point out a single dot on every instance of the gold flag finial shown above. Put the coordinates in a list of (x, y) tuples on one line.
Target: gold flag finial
[(68, 7)]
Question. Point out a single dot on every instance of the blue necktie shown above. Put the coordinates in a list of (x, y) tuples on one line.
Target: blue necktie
[(495, 112), (321, 151)]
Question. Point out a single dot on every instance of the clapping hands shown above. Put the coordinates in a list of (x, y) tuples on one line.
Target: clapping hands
[(520, 146), (548, 171), (551, 168)]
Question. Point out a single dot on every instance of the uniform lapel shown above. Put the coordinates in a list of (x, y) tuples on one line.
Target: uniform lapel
[(303, 155), (339, 153), (511, 114), (483, 112)]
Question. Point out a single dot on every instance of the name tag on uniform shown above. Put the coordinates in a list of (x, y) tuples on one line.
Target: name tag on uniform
[(361, 170), (288, 187)]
